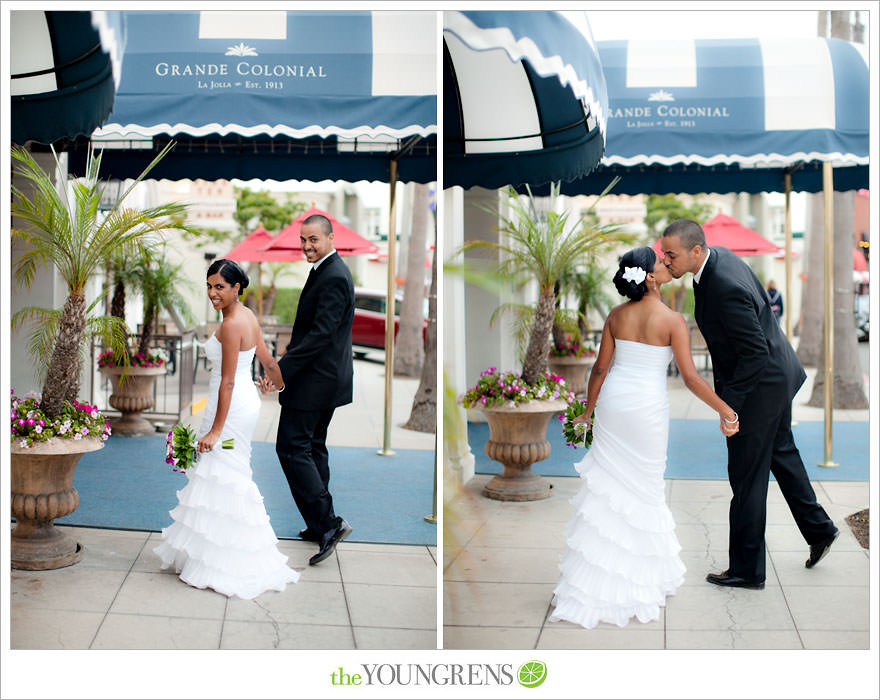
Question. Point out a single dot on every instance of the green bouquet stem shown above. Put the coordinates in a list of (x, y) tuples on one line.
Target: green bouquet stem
[(228, 444)]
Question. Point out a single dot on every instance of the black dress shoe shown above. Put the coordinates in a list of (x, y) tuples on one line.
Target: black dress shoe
[(820, 549), (309, 536), (725, 579), (329, 545)]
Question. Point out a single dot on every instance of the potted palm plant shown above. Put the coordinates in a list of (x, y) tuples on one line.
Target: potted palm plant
[(573, 352), (571, 355), (134, 372), (539, 246), (51, 431)]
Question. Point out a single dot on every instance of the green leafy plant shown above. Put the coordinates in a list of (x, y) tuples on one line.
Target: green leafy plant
[(577, 434), (69, 232), (181, 447), (161, 282), (496, 388), (540, 245), (30, 423), (156, 357)]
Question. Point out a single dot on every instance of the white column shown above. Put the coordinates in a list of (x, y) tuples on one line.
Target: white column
[(763, 264), (457, 453), (486, 346), (47, 291)]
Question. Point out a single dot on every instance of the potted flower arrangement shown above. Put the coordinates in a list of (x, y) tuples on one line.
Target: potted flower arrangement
[(134, 371), (45, 451), (539, 246), (65, 229), (133, 379), (570, 357)]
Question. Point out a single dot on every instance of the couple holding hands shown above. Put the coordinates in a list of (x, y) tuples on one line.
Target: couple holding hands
[(221, 537)]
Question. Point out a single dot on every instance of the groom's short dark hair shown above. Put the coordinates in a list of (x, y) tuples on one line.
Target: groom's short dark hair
[(690, 233), (320, 220)]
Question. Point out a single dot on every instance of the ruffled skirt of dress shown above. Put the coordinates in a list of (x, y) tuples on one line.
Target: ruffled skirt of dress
[(221, 537), (621, 558)]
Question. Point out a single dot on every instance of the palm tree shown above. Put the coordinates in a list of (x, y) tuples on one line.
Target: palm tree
[(123, 270), (589, 285), (66, 230), (160, 284), (542, 245), (409, 346)]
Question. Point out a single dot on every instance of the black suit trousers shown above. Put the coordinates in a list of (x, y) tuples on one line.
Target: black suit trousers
[(751, 458), (302, 451)]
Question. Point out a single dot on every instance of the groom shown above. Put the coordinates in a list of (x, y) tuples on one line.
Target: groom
[(317, 369), (757, 373)]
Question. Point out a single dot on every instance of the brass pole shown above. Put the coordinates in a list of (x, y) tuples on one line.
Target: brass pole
[(788, 256), (432, 518), (389, 311), (828, 191)]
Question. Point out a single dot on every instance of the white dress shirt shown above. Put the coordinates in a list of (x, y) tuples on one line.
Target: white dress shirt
[(318, 262), (702, 267)]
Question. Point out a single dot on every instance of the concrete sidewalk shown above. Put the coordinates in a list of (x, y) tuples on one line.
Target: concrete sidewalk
[(501, 565), (372, 596)]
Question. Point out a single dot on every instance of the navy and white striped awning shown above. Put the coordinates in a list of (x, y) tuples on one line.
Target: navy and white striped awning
[(726, 115), (61, 80), (524, 98), (262, 93)]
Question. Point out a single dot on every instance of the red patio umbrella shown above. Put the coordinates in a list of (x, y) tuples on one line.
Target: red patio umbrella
[(859, 262), (724, 230), (252, 249), (345, 240)]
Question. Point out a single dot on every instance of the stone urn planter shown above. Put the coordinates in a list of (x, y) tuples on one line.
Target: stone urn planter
[(132, 393), (41, 486), (518, 439), (573, 370)]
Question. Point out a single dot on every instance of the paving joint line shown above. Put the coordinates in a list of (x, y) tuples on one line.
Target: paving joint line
[(785, 598), (345, 598), (116, 595), (543, 623), (223, 623)]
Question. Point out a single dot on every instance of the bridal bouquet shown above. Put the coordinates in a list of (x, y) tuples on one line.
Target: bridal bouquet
[(180, 447), (577, 434)]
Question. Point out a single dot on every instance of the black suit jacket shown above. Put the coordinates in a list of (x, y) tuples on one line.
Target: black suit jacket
[(317, 366), (755, 367)]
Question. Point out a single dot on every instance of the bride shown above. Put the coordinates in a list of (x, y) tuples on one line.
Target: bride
[(621, 556), (221, 537)]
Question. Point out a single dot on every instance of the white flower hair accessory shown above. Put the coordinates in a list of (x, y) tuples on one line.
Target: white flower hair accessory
[(636, 275)]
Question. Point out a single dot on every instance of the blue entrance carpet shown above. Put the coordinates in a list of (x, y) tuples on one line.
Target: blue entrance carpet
[(697, 450), (127, 485)]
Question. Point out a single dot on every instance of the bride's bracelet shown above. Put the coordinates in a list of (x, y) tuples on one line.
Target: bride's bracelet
[(731, 422)]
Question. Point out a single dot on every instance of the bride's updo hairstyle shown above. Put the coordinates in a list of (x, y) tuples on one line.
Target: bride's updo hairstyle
[(632, 271), (231, 272)]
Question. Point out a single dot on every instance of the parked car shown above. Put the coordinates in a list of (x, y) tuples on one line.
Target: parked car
[(368, 328)]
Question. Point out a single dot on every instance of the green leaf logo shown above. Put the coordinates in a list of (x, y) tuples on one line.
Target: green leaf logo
[(532, 673)]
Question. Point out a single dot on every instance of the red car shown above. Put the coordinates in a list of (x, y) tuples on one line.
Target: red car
[(368, 328)]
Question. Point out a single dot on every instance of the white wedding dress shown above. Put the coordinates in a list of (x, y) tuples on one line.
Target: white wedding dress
[(221, 537), (621, 557)]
